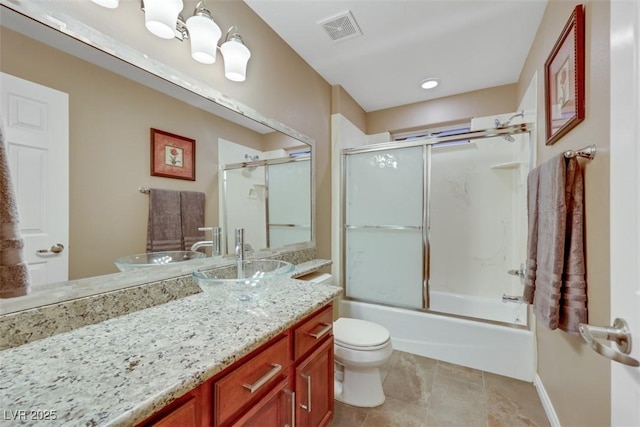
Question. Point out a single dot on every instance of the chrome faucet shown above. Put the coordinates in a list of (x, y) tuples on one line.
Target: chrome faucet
[(215, 243), (240, 244)]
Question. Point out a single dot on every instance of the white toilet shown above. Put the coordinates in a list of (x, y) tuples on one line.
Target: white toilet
[(360, 348)]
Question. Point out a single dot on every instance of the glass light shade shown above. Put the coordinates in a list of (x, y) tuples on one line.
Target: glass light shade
[(161, 16), (110, 4), (204, 35), (236, 55)]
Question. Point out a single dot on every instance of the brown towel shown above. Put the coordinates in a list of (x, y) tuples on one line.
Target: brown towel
[(555, 271), (14, 273), (164, 229), (192, 211)]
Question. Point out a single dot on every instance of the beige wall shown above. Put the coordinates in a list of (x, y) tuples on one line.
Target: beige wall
[(343, 103), (279, 85), (576, 378), (109, 143), (443, 111)]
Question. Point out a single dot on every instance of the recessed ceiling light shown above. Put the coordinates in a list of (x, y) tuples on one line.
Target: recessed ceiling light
[(429, 83)]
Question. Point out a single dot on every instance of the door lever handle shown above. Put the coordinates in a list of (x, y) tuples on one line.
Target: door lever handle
[(56, 249), (619, 333)]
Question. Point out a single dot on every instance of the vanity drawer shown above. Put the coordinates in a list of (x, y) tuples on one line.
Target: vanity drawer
[(249, 381), (311, 332)]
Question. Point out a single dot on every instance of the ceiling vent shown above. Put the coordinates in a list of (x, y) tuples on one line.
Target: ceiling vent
[(341, 27)]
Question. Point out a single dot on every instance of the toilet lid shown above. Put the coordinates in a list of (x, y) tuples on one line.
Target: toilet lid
[(359, 333)]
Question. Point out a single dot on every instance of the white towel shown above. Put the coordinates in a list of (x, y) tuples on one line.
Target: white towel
[(14, 274)]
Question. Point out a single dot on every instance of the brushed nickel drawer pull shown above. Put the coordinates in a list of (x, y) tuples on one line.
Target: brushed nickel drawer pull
[(272, 373), (307, 378), (292, 396), (323, 332)]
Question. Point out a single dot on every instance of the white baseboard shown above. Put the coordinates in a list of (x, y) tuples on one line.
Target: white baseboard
[(546, 403)]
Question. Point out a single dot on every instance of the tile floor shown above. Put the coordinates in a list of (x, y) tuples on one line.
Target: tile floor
[(424, 392)]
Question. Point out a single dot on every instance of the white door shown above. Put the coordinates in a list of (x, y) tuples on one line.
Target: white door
[(625, 202), (36, 123)]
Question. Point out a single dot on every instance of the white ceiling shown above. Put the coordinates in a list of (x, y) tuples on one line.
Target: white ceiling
[(468, 45)]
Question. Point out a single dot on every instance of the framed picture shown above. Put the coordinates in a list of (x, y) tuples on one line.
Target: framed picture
[(172, 156), (564, 79)]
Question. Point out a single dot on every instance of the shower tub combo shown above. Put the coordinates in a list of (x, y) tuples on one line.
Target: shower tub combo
[(432, 231)]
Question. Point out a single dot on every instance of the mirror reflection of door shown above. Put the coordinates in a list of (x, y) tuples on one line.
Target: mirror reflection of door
[(36, 123)]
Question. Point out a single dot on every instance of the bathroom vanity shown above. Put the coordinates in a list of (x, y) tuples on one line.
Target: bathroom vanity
[(205, 359), (276, 385)]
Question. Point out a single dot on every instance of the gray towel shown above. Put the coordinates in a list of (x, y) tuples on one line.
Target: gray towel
[(164, 229), (192, 211), (555, 269), (14, 273)]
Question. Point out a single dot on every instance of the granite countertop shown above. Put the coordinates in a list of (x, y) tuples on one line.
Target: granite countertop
[(120, 371)]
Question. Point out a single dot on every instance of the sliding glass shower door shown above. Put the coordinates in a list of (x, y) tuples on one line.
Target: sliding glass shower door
[(438, 226), (385, 252)]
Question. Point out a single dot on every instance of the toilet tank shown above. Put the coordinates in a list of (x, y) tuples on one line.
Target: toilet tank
[(318, 277)]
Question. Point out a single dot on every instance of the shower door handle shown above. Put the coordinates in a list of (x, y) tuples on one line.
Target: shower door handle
[(619, 333)]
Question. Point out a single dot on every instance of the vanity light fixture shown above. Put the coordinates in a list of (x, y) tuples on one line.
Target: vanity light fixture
[(236, 55), (429, 83), (204, 34), (162, 18)]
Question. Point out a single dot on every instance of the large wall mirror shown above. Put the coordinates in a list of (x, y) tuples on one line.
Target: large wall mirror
[(115, 98)]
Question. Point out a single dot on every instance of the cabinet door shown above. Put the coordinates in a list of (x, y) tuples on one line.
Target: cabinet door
[(314, 388), (185, 415), (276, 409)]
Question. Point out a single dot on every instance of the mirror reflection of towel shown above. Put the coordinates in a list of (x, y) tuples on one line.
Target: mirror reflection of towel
[(174, 219), (14, 273), (555, 272), (164, 229), (192, 212)]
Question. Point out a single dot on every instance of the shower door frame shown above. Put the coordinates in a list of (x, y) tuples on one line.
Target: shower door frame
[(427, 144), (266, 163)]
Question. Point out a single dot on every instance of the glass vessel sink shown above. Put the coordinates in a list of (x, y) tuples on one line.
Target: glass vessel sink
[(243, 278), (152, 259)]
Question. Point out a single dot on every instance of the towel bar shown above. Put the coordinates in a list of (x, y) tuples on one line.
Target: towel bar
[(144, 190), (588, 152)]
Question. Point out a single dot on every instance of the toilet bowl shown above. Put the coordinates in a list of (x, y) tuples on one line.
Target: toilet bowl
[(360, 348)]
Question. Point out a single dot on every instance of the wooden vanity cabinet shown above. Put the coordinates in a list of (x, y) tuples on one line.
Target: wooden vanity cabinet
[(312, 370), (314, 387), (286, 382), (191, 410), (247, 385)]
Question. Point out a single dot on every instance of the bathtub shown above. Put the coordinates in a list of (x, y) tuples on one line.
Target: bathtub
[(502, 350), (479, 307)]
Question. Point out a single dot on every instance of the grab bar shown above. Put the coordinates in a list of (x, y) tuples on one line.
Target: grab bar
[(619, 333)]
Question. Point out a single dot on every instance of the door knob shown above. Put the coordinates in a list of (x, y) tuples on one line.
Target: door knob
[(56, 249), (619, 333)]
